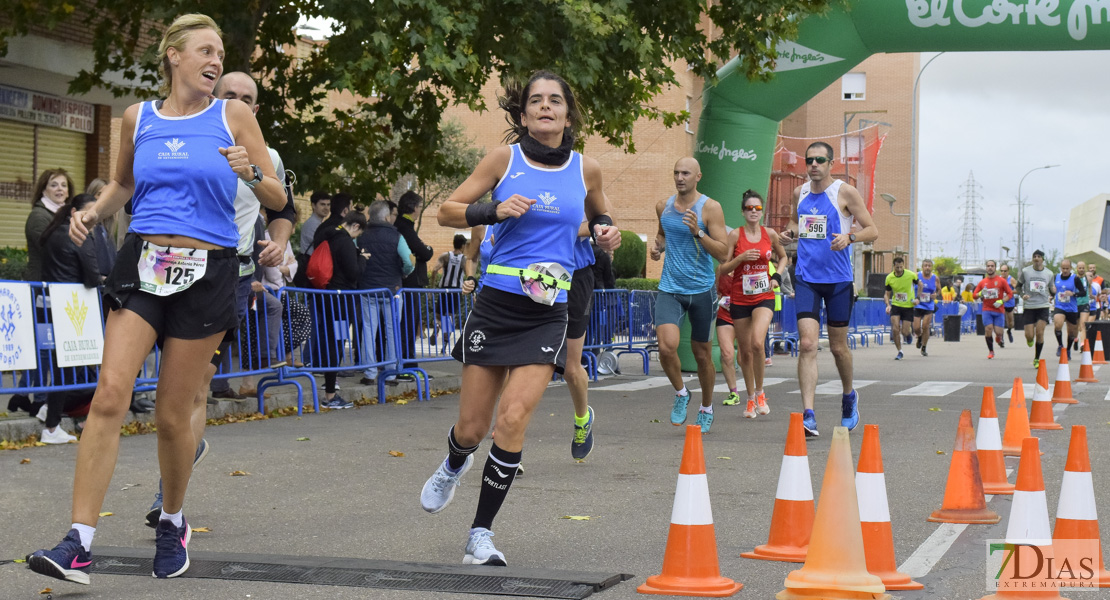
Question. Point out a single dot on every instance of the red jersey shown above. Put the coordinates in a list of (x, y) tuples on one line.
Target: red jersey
[(751, 283), (724, 291), (991, 289)]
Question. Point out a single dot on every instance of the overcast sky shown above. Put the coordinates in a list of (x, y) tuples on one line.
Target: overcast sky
[(998, 115)]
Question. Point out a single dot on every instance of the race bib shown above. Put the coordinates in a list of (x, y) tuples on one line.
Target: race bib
[(901, 297), (164, 271), (1060, 297), (1038, 286), (756, 283), (925, 297), (811, 227), (725, 301), (989, 293)]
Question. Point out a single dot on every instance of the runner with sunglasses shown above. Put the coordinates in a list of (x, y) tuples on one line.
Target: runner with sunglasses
[(753, 294), (824, 211)]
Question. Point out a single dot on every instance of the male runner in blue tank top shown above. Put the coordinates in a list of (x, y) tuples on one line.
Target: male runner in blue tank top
[(692, 233), (824, 211)]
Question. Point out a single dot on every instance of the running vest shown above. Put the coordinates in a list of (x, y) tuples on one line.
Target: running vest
[(1085, 299), (1035, 284), (1066, 285), (549, 230), (687, 266), (454, 273), (817, 263), (901, 288), (183, 185), (1013, 299), (926, 291), (751, 283)]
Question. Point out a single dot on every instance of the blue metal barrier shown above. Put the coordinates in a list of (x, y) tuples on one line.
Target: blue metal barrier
[(641, 325)]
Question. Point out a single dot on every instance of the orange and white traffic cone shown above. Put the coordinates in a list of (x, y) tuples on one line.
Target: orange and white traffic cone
[(1077, 531), (836, 566), (1098, 358), (792, 517), (1061, 390), (874, 515), (1027, 526), (1086, 368), (1017, 421), (988, 444), (690, 565), (964, 501), (1040, 416), (1040, 387)]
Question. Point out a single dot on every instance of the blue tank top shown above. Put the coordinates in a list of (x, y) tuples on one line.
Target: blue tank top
[(549, 231), (1066, 285), (817, 263), (583, 253), (687, 266), (1013, 299), (926, 286), (183, 185), (484, 250)]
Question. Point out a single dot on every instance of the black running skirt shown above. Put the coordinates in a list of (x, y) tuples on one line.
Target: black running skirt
[(507, 330)]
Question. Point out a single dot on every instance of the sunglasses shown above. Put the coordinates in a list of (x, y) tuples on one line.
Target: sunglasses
[(816, 159), (754, 207)]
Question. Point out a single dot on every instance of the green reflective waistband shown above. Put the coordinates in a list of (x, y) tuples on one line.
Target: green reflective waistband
[(528, 274)]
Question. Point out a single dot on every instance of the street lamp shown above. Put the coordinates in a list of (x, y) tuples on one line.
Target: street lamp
[(890, 200), (913, 163), (1021, 217)]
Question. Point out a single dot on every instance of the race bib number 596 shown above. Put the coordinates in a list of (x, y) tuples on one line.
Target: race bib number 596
[(812, 227)]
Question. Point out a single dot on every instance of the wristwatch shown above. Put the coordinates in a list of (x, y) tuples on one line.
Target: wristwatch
[(701, 233), (851, 237), (257, 177)]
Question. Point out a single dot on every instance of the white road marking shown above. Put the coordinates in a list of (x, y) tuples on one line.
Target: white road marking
[(934, 388), (1026, 387), (767, 382), (929, 553), (833, 388), (642, 384)]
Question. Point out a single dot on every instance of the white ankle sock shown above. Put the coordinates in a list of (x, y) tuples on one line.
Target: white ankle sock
[(175, 518), (682, 392), (86, 532), (707, 409)]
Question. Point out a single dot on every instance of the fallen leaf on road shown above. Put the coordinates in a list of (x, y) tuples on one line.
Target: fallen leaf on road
[(25, 461), (575, 518), (239, 473), (724, 458), (201, 530), (940, 451), (19, 560), (934, 409), (396, 453), (105, 514), (654, 421), (401, 402), (46, 591), (302, 439)]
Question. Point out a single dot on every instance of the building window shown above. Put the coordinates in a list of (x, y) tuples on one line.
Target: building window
[(853, 86)]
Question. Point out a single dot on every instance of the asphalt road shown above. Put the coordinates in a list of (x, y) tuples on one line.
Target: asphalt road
[(340, 493)]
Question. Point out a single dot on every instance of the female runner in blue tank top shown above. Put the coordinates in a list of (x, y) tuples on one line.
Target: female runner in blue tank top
[(514, 339), (173, 282)]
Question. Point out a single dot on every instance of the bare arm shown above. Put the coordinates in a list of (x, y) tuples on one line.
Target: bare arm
[(853, 202), (782, 261), (484, 178), (730, 266), (656, 250), (791, 232), (714, 217), (597, 204), (250, 149), (119, 190)]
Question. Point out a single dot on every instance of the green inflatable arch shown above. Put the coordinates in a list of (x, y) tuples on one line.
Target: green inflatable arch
[(740, 118)]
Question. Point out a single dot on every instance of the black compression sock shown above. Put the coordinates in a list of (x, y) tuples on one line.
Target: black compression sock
[(990, 343), (1038, 347), (1059, 339), (456, 454), (497, 477)]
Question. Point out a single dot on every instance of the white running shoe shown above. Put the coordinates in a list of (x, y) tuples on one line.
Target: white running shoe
[(480, 550), (440, 487), (58, 436)]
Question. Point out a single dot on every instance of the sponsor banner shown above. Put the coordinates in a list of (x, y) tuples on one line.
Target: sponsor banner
[(78, 335), (17, 328), (43, 109)]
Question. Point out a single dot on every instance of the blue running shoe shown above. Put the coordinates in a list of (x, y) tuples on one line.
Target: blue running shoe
[(171, 549), (899, 356), (705, 420), (155, 511), (583, 442), (849, 410), (809, 423), (678, 413), (68, 560)]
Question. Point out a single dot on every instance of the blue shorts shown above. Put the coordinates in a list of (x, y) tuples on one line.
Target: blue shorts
[(998, 319), (701, 308), (838, 299)]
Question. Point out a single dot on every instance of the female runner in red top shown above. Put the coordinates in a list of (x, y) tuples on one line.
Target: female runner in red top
[(753, 295)]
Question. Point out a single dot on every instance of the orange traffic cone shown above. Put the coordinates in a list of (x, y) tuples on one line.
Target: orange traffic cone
[(1017, 421), (792, 517), (1040, 416), (836, 566), (874, 515), (1027, 526), (1040, 387), (1076, 518), (988, 444), (1086, 370), (690, 566), (1098, 357), (1061, 390), (964, 501)]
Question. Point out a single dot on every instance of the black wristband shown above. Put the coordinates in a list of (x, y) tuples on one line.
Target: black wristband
[(471, 278), (599, 220), (777, 277), (482, 213)]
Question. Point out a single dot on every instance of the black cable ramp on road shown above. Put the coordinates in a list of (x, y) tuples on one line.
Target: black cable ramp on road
[(352, 572)]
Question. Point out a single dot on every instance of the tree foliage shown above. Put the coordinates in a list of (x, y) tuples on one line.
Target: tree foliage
[(404, 61), (944, 266), (459, 155)]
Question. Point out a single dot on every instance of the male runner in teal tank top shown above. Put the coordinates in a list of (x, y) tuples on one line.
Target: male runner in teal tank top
[(692, 233)]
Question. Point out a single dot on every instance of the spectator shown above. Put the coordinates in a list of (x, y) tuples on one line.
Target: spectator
[(321, 207), (390, 264), (405, 223), (52, 190), (65, 262), (335, 314), (340, 206), (258, 302), (455, 268), (968, 294), (603, 269)]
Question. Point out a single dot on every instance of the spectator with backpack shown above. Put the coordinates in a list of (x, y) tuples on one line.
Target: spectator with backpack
[(391, 264), (335, 314)]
